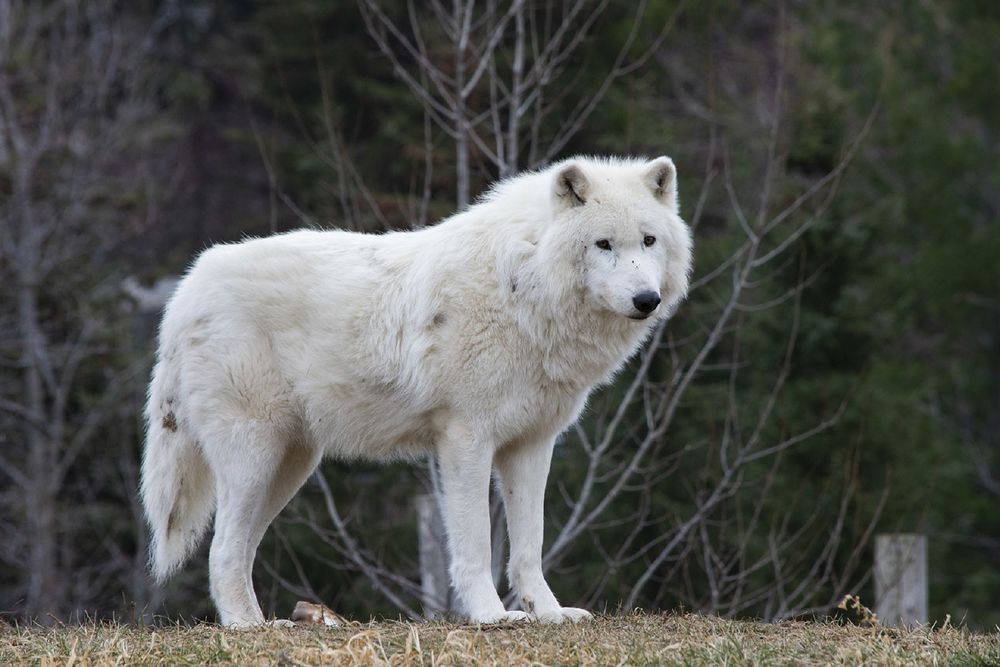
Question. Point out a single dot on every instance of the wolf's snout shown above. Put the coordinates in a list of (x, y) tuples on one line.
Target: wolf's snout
[(646, 302)]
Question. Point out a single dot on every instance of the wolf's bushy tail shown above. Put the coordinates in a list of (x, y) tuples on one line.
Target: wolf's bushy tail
[(178, 492)]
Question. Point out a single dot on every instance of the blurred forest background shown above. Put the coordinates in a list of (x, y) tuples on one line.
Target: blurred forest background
[(835, 373)]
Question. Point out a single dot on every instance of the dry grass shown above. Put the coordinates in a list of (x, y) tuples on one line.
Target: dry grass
[(610, 640)]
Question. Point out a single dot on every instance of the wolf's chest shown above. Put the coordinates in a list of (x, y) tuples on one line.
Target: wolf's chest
[(534, 409)]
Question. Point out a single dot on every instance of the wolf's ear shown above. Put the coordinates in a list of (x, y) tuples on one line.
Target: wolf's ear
[(571, 186), (661, 177)]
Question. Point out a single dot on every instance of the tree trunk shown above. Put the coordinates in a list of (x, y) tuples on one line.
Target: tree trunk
[(461, 122), (434, 581), (40, 500)]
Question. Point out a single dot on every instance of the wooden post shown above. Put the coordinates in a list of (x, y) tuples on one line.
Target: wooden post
[(901, 579), (435, 586)]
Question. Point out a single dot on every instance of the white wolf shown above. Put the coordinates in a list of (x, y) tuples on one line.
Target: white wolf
[(476, 340)]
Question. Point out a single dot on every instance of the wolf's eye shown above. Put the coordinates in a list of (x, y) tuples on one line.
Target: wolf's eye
[(604, 244), (648, 241)]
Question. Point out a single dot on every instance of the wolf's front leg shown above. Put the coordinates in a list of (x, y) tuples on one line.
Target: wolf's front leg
[(465, 464), (523, 470)]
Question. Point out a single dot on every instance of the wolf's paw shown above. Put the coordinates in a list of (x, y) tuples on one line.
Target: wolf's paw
[(245, 623), (500, 617), (563, 615)]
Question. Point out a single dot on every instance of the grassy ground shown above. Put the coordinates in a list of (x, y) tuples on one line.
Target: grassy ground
[(609, 640)]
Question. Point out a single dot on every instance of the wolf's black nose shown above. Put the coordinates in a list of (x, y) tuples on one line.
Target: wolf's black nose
[(646, 302)]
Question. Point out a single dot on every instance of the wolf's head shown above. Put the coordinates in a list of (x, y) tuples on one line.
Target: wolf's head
[(620, 228)]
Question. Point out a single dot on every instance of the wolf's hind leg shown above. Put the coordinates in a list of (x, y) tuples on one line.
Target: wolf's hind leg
[(232, 590), (245, 467), (298, 463)]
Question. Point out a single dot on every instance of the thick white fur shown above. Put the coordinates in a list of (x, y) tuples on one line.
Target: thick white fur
[(477, 340)]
